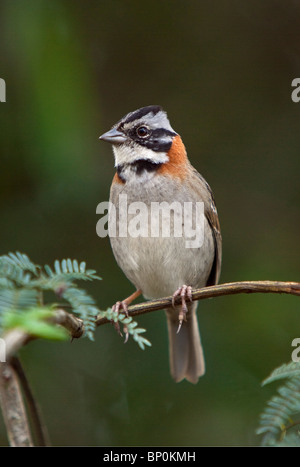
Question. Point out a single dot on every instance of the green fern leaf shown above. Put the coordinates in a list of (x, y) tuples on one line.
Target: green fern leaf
[(290, 440), (279, 411), (6, 283), (33, 322), (69, 270), (18, 299), (19, 260), (130, 325), (11, 271), (287, 370), (22, 284), (83, 305)]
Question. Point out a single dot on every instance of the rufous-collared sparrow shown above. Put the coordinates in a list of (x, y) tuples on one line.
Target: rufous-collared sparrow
[(152, 167)]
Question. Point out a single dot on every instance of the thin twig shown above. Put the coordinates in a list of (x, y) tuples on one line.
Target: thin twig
[(10, 393), (70, 322), (16, 338), (12, 378), (13, 408), (231, 288), (39, 427)]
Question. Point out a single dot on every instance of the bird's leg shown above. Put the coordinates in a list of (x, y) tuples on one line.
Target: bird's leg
[(123, 305), (185, 292)]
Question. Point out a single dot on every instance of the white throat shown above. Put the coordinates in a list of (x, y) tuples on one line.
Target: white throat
[(125, 154)]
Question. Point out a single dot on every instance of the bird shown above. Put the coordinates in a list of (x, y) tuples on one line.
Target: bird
[(152, 167)]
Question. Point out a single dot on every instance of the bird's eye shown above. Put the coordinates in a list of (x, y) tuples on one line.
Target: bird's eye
[(142, 132)]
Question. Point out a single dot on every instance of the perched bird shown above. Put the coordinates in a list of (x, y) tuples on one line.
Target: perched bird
[(152, 167)]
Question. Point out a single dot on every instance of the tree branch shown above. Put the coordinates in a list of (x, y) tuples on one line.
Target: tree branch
[(16, 338), (12, 379), (10, 392), (39, 427), (231, 288), (13, 408)]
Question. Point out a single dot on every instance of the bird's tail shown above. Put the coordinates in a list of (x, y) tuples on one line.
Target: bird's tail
[(185, 349)]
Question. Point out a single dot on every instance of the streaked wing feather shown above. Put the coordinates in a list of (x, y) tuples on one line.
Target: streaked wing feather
[(211, 214)]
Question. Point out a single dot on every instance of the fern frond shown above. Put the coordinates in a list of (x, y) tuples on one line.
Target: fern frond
[(17, 299), (6, 283), (129, 324), (35, 321), (84, 306), (279, 411), (22, 286), (287, 370), (20, 261), (68, 270), (290, 440), (13, 273), (23, 262)]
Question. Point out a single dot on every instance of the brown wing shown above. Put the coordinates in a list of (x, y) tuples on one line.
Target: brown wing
[(211, 214)]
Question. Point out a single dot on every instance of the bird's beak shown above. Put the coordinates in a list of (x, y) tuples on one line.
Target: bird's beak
[(113, 136)]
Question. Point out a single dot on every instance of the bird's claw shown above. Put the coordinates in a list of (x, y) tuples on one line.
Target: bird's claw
[(185, 292), (121, 307)]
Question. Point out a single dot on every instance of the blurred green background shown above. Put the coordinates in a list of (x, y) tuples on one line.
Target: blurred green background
[(223, 72)]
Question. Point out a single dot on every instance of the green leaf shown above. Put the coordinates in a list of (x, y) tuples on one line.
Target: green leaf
[(279, 412), (83, 305), (69, 270), (287, 370), (23, 285), (131, 326), (22, 261), (290, 440), (33, 322), (18, 298)]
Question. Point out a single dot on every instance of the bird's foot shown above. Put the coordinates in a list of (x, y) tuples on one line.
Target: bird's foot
[(122, 307), (185, 292)]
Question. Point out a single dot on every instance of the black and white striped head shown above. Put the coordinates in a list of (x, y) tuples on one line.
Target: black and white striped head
[(142, 135)]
